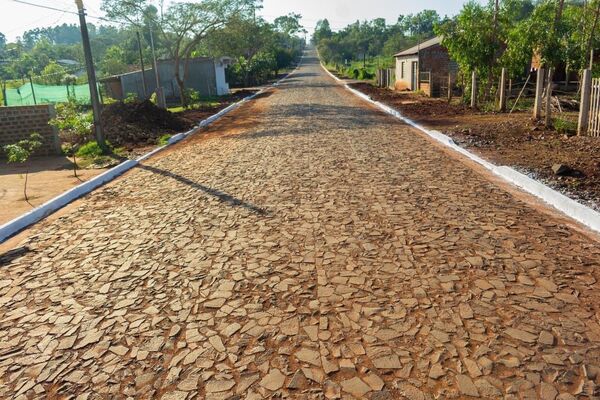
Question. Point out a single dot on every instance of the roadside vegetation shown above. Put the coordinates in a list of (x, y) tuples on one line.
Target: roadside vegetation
[(359, 49), (215, 28), (518, 35), (259, 51)]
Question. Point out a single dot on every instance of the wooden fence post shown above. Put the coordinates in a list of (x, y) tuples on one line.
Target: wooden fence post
[(503, 90), (539, 88), (474, 90), (584, 107), (32, 90), (449, 88), (548, 116)]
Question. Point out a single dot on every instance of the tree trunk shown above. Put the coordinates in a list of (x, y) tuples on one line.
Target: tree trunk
[(25, 186), (588, 49), (180, 82), (490, 82)]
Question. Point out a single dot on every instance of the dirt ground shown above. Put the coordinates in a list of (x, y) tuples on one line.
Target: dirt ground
[(199, 114), (48, 177), (515, 140)]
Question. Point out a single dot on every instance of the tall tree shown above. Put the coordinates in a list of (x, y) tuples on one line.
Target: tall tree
[(183, 26), (322, 31)]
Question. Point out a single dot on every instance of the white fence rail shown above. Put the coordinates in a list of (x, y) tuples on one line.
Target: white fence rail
[(594, 117)]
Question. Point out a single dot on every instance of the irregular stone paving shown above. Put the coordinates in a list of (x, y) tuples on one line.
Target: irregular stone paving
[(305, 247)]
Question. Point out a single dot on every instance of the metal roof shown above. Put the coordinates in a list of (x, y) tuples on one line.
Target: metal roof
[(420, 46)]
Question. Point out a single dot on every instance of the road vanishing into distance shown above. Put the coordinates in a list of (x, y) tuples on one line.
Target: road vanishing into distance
[(305, 246)]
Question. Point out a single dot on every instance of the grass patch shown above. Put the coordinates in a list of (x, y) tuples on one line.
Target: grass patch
[(90, 150), (164, 140), (564, 126)]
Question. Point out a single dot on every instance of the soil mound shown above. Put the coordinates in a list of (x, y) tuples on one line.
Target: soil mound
[(139, 123)]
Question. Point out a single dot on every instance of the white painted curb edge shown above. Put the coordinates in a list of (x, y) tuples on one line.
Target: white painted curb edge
[(566, 205), (37, 214), (42, 211)]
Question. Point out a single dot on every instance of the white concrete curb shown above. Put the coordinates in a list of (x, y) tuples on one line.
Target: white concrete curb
[(37, 214), (566, 205), (42, 211)]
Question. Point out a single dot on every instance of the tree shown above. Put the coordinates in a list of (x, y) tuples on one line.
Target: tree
[(322, 31), (289, 24), (259, 48), (21, 151), (421, 24), (182, 26), (113, 62), (476, 38), (53, 74), (2, 42), (468, 37)]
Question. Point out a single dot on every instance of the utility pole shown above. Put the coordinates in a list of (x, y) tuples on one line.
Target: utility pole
[(91, 73), (144, 85), (160, 97)]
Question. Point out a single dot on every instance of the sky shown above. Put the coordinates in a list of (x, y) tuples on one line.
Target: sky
[(16, 18)]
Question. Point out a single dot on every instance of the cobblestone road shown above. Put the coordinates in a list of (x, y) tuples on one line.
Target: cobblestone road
[(306, 246)]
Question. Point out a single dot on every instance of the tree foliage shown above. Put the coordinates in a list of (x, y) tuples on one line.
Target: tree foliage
[(21, 151), (556, 32), (258, 47), (365, 39), (182, 25)]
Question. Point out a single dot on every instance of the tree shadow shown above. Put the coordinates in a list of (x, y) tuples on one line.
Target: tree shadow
[(222, 196), (323, 118), (11, 255)]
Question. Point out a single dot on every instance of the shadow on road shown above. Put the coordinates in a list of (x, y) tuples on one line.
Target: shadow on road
[(323, 118), (222, 196), (10, 256)]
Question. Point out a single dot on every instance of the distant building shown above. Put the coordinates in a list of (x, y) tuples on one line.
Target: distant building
[(424, 67), (205, 75)]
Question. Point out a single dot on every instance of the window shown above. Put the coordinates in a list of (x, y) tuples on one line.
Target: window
[(402, 70)]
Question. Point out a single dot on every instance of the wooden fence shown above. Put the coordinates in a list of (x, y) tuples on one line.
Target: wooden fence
[(386, 78), (594, 113)]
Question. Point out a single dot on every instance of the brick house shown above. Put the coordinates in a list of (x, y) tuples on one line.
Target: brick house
[(424, 67)]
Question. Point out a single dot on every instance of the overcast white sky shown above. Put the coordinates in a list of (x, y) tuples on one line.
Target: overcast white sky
[(16, 18)]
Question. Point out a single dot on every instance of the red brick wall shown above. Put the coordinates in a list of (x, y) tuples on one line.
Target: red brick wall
[(17, 123), (437, 60)]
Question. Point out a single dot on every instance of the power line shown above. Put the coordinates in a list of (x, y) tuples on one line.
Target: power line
[(66, 11)]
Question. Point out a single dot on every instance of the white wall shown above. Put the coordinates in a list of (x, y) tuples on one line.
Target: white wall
[(222, 85), (403, 80)]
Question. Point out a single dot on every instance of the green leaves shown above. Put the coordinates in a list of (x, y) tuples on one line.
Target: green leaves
[(73, 122), (22, 150)]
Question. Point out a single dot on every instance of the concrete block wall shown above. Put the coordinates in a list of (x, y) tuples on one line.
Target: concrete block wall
[(17, 123)]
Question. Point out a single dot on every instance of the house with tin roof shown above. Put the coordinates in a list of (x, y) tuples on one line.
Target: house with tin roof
[(424, 67)]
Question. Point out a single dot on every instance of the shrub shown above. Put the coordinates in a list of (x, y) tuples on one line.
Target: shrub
[(21, 151), (130, 98), (90, 150), (164, 140), (364, 74), (73, 122), (565, 126), (192, 97)]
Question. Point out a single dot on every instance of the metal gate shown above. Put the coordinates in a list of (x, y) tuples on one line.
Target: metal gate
[(594, 121)]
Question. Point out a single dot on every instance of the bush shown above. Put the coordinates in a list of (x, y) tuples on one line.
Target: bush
[(130, 98), (91, 150), (164, 140), (73, 122), (364, 74), (192, 96), (564, 126)]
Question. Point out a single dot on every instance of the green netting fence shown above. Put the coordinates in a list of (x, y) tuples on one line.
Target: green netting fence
[(28, 94)]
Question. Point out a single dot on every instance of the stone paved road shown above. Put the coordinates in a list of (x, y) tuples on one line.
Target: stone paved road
[(307, 246)]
